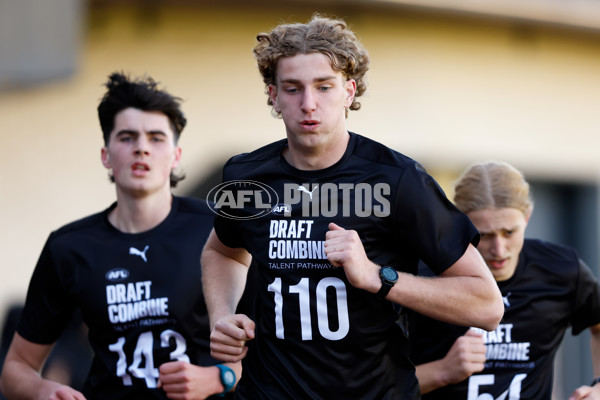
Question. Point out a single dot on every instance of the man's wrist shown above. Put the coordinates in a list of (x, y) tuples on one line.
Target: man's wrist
[(442, 378), (388, 278), (227, 378), (216, 385), (595, 381)]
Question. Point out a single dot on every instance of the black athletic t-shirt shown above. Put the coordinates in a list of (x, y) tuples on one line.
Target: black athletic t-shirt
[(140, 296), (551, 290), (317, 336)]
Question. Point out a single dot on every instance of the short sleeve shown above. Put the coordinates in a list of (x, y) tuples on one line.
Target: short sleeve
[(430, 223), (587, 303), (228, 220), (48, 307)]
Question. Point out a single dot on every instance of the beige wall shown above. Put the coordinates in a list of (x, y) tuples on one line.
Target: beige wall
[(444, 89)]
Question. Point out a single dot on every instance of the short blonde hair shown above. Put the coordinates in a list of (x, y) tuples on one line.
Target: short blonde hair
[(492, 184)]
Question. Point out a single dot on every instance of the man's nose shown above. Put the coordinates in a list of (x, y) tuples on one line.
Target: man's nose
[(142, 146), (309, 101), (497, 247)]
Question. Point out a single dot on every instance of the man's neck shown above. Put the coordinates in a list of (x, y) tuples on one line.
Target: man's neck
[(140, 214), (310, 159)]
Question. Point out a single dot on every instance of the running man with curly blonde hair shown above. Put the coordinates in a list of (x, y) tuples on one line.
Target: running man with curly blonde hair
[(337, 251)]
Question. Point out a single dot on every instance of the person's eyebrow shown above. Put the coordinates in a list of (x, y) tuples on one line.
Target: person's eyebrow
[(317, 79), (127, 132), (135, 132), (325, 78)]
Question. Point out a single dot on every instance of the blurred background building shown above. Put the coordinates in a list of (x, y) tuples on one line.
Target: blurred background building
[(450, 83)]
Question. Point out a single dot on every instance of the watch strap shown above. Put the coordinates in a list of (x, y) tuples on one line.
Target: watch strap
[(385, 289), (389, 277)]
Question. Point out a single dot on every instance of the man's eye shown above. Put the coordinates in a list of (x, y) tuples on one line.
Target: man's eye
[(157, 139), (125, 139), (324, 88), (291, 90)]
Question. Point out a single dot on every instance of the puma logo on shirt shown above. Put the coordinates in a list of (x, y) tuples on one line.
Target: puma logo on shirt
[(305, 190), (136, 252)]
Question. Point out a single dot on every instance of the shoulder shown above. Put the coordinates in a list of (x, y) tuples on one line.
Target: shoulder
[(555, 261), (193, 205), (74, 235), (406, 176), (538, 249), (375, 152), (88, 223), (245, 165), (264, 153), (193, 215), (399, 170)]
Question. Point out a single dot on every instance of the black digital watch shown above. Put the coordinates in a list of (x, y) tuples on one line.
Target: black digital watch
[(389, 277)]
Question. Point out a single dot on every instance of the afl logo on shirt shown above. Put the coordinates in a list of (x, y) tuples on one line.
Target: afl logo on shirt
[(117, 274), (282, 209)]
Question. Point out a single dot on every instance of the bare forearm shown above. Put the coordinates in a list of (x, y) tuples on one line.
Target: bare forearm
[(223, 279), (19, 381), (223, 284), (462, 300), (430, 376), (21, 377), (465, 294)]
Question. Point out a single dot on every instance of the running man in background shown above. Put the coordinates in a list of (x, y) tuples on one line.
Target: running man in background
[(132, 269), (546, 289), (337, 254)]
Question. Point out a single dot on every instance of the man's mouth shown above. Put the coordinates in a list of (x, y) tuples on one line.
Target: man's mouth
[(497, 264), (140, 167)]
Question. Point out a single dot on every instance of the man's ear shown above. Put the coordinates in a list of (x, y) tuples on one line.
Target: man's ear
[(350, 87), (273, 95), (527, 216), (105, 157), (176, 157)]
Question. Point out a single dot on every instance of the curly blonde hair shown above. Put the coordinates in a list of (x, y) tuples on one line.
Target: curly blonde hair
[(320, 35), (492, 185)]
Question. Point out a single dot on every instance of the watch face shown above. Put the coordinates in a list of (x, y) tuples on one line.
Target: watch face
[(228, 378), (389, 273)]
